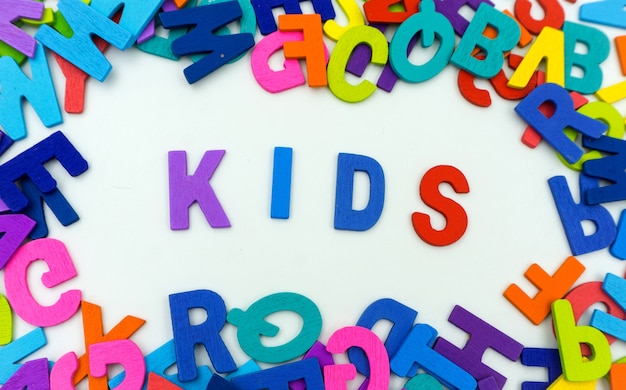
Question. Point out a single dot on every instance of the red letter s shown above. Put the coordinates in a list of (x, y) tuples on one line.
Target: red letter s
[(456, 218)]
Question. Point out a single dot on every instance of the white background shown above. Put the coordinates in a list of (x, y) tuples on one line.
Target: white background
[(129, 261)]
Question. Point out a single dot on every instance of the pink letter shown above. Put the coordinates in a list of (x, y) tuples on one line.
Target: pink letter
[(356, 336), (62, 373), (123, 352), (55, 255), (281, 80)]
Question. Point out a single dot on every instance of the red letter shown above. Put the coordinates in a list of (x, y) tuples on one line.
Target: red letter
[(456, 218)]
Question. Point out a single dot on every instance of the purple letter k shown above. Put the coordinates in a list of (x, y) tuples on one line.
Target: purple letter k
[(185, 190)]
